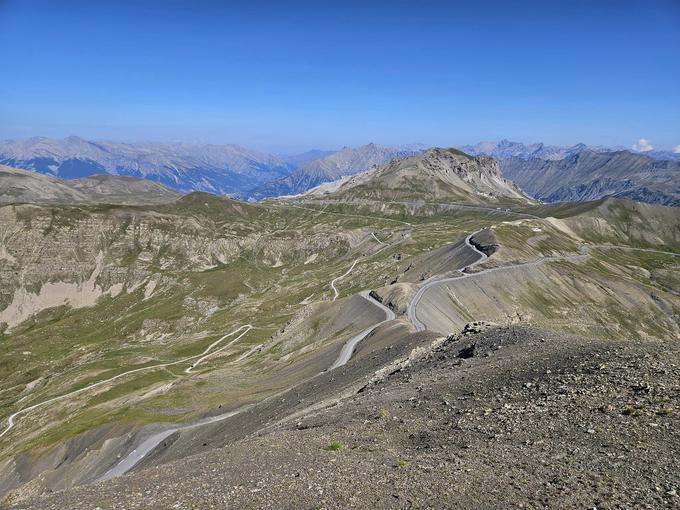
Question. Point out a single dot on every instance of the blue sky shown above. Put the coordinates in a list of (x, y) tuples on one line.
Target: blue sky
[(292, 75)]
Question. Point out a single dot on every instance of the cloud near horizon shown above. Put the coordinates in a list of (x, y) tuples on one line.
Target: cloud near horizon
[(643, 145), (677, 149)]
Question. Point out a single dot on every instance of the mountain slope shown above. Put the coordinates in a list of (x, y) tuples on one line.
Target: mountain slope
[(458, 423), (347, 161), (437, 174), (175, 279), (589, 175), (185, 167), (22, 186)]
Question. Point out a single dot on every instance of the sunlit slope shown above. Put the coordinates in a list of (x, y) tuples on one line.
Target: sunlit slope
[(91, 292), (25, 187), (437, 175)]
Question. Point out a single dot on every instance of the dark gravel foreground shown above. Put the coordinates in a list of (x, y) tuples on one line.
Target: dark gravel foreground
[(505, 418)]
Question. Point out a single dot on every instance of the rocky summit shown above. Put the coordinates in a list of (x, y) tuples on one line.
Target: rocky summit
[(437, 174)]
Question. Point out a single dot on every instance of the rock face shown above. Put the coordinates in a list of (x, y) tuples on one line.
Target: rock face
[(485, 241), (220, 169), (589, 175), (347, 161), (437, 174), (55, 256), (21, 186)]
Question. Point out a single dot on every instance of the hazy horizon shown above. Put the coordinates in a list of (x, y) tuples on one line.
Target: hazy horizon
[(294, 77), (296, 150)]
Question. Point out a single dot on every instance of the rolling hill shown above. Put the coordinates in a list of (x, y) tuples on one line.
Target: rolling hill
[(22, 186)]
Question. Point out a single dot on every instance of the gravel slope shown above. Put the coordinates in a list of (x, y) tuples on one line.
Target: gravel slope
[(510, 417)]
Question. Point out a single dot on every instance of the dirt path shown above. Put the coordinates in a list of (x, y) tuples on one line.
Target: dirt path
[(335, 290), (11, 421), (150, 443)]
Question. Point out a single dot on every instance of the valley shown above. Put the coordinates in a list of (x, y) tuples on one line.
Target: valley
[(155, 334)]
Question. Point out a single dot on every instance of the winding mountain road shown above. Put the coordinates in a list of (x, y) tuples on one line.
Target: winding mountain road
[(435, 280), (152, 442), (211, 353), (415, 301), (348, 348)]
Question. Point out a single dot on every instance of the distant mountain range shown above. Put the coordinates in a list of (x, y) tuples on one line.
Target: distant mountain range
[(589, 175), (579, 172), (220, 169), (546, 172), (506, 149), (299, 159)]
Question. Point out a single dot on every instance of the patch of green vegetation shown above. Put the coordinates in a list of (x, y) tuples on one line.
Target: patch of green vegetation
[(136, 383), (540, 300), (457, 152), (91, 418), (637, 410), (334, 446)]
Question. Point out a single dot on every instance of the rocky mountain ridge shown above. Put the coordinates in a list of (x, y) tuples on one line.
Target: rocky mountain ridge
[(437, 174), (589, 175)]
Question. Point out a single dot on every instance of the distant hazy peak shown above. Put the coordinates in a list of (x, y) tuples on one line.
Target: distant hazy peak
[(505, 149)]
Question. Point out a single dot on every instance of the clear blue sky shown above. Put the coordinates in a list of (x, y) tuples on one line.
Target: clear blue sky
[(287, 75)]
